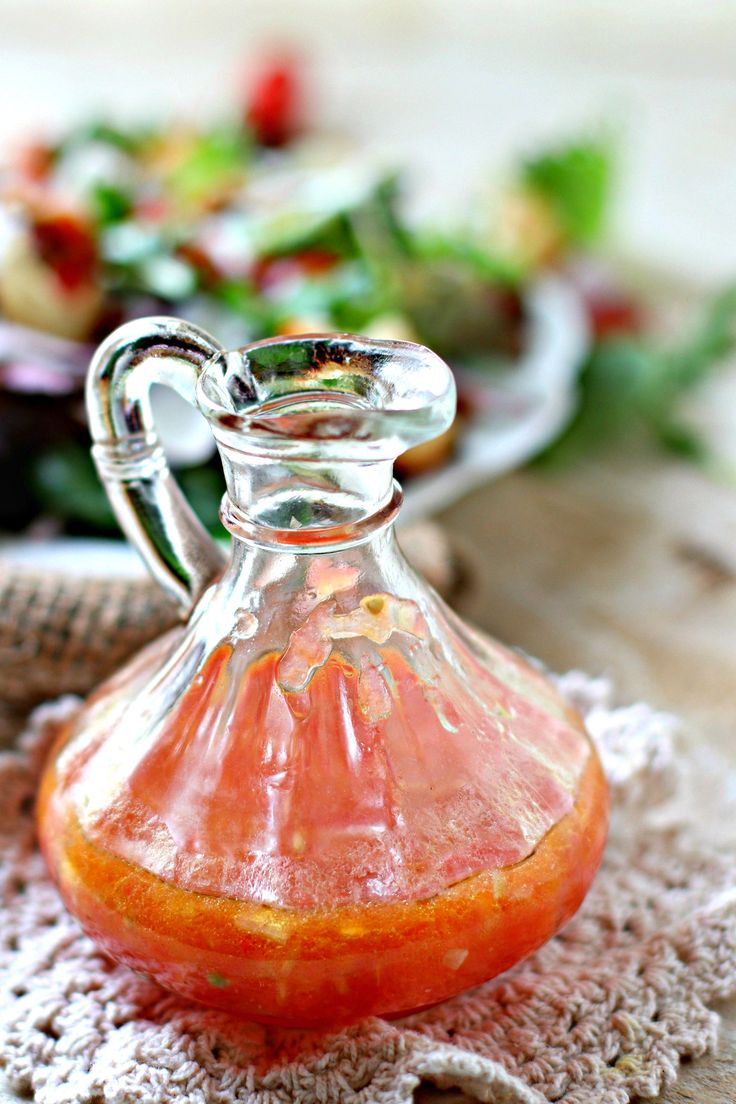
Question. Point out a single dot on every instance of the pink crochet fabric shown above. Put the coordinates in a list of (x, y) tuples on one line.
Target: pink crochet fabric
[(602, 1013)]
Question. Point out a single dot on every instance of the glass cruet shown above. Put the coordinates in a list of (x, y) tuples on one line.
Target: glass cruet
[(323, 796)]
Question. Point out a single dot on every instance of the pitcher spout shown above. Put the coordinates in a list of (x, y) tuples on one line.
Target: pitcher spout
[(308, 429)]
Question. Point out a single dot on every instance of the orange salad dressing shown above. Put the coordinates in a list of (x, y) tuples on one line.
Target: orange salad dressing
[(334, 948)]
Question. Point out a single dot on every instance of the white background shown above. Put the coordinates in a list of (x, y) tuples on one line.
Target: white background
[(450, 87)]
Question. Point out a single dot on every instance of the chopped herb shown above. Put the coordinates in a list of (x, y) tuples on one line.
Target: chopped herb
[(217, 980), (576, 181), (218, 158), (67, 486), (633, 383), (128, 140), (109, 204)]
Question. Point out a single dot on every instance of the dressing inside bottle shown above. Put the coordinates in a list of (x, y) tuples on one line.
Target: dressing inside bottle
[(324, 796)]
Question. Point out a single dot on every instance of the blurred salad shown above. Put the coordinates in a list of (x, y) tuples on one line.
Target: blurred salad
[(249, 229)]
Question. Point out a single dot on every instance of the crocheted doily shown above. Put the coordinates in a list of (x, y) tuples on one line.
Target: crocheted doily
[(602, 1013)]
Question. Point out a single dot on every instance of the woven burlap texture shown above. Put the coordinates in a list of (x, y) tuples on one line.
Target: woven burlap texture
[(602, 1013), (61, 634)]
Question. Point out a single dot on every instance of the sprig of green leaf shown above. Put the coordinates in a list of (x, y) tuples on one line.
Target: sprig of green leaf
[(67, 487), (576, 181), (634, 383)]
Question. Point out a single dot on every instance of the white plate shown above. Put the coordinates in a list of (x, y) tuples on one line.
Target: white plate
[(524, 407), (521, 409)]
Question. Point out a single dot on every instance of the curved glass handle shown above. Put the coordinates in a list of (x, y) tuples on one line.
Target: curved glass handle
[(151, 509)]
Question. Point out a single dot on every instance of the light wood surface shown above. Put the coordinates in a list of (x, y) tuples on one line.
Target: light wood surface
[(626, 568)]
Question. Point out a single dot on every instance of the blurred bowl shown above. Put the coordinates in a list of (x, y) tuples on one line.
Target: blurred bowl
[(517, 409)]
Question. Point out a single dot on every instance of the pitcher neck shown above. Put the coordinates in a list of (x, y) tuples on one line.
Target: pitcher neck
[(306, 505)]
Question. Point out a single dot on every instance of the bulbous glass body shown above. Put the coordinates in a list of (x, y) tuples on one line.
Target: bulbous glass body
[(324, 796)]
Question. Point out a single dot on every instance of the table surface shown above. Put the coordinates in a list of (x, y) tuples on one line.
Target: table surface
[(635, 578), (624, 567), (627, 569)]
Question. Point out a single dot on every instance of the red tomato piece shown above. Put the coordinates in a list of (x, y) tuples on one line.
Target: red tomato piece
[(66, 244), (274, 105)]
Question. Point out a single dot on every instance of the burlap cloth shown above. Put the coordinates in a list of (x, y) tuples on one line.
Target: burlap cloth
[(62, 635), (602, 1013)]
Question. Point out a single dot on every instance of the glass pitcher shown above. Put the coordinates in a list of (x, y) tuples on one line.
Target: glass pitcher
[(323, 796)]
